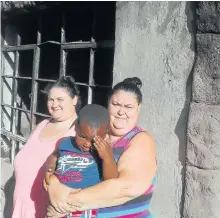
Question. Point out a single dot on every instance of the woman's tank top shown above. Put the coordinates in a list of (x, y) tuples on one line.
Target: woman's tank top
[(138, 207), (30, 199)]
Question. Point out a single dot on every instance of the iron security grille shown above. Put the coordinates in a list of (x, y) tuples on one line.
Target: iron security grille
[(74, 39)]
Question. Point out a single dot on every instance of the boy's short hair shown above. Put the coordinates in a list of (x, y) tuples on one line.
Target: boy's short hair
[(94, 115)]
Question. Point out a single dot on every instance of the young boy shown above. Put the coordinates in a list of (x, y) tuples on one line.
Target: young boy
[(76, 161)]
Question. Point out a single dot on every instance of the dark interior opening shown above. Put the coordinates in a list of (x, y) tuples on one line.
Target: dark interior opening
[(83, 21)]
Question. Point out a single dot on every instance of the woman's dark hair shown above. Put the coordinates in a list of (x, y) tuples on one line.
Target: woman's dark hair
[(132, 85), (68, 83)]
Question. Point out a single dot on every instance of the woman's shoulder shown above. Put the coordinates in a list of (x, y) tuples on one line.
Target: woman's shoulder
[(42, 123), (142, 139), (46, 120), (143, 135), (40, 126), (71, 132), (142, 132)]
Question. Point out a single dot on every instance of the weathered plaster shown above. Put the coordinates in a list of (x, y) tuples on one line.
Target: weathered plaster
[(155, 41)]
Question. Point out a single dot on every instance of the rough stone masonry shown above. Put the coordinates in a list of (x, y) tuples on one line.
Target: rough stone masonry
[(202, 194)]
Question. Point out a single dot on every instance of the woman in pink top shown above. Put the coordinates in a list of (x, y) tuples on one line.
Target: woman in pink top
[(30, 199)]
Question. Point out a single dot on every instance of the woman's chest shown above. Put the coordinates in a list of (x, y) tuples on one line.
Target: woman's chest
[(117, 152), (33, 155)]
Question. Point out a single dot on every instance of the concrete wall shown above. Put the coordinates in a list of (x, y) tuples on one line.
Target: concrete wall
[(202, 196), (155, 41)]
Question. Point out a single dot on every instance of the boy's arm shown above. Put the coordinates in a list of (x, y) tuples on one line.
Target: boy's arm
[(52, 160), (109, 167), (50, 167)]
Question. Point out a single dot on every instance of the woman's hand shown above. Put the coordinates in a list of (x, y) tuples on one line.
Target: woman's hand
[(130, 183), (52, 213), (58, 194), (103, 148), (50, 168), (74, 202), (46, 182)]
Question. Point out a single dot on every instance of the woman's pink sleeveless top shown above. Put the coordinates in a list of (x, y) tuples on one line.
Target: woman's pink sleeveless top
[(30, 199)]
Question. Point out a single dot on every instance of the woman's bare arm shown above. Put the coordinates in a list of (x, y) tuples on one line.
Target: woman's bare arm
[(52, 159), (136, 167), (50, 168)]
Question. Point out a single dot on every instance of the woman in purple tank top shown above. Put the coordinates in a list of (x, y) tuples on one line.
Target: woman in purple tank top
[(130, 193)]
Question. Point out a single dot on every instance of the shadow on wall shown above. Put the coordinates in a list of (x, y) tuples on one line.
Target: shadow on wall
[(8, 194), (181, 126)]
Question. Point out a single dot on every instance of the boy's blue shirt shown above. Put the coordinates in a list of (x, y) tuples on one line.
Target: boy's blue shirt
[(75, 168)]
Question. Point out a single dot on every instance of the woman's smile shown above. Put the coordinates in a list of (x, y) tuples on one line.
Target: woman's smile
[(119, 123)]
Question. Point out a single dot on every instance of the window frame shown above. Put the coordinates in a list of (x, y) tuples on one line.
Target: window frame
[(92, 45)]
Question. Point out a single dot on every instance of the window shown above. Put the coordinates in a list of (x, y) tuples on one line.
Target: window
[(71, 38)]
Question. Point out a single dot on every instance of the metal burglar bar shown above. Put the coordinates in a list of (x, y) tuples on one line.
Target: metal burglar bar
[(14, 101), (91, 73), (35, 80), (34, 77), (62, 52)]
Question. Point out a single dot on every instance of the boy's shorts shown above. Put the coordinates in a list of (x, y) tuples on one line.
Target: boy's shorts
[(83, 214)]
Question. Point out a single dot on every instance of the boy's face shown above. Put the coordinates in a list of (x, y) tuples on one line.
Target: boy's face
[(85, 134)]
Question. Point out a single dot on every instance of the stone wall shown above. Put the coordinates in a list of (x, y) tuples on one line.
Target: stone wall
[(202, 196), (155, 41)]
